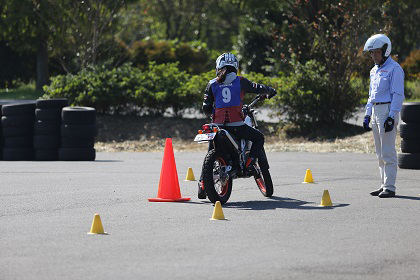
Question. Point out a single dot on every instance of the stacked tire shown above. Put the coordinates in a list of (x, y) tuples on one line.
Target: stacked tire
[(78, 131), (18, 126), (410, 134), (1, 137), (47, 128)]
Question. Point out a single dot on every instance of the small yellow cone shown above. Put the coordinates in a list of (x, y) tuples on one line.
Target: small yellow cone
[(190, 175), (326, 199), (97, 227), (218, 212), (308, 177)]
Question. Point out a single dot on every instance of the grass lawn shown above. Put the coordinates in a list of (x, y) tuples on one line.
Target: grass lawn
[(24, 92)]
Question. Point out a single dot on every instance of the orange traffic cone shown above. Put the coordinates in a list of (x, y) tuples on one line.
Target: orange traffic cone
[(168, 184)]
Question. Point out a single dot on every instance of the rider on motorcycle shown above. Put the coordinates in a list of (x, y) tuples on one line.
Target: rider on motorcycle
[(223, 100)]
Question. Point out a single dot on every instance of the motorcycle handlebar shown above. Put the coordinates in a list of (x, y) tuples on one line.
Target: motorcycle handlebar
[(256, 99)]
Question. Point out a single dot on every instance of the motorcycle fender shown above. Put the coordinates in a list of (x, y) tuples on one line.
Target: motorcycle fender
[(262, 159), (228, 136)]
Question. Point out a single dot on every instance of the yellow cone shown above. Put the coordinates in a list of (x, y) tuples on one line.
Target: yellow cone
[(308, 177), (326, 199), (97, 227), (190, 175), (218, 212)]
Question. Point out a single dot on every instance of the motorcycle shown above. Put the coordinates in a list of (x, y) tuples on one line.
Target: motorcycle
[(227, 156)]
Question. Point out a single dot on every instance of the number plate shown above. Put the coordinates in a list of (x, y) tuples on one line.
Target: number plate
[(204, 137)]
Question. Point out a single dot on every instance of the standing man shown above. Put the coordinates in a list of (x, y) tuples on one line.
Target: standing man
[(386, 95)]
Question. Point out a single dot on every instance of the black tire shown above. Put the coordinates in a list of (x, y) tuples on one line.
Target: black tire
[(410, 130), (76, 154), (14, 131), (46, 154), (76, 131), (410, 145), (409, 161), (215, 189), (18, 120), (46, 142), (18, 109), (18, 142), (78, 115), (18, 154), (47, 128), (67, 142), (52, 103), (263, 180), (410, 112), (48, 114)]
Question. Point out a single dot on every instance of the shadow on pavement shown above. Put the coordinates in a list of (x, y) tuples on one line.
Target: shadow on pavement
[(276, 202), (108, 160), (408, 197)]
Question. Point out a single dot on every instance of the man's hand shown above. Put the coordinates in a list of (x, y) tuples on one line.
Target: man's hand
[(389, 124), (366, 122)]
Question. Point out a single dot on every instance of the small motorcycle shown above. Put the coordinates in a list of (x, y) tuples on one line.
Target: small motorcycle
[(227, 156)]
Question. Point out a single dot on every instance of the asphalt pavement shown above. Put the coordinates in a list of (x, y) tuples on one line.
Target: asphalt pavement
[(46, 210)]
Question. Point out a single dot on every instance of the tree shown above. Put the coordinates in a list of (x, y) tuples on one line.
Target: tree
[(215, 22), (71, 31), (24, 31), (332, 37)]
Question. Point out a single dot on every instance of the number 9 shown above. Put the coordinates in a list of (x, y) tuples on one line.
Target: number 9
[(226, 95)]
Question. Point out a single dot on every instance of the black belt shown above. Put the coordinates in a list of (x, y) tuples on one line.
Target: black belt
[(380, 103)]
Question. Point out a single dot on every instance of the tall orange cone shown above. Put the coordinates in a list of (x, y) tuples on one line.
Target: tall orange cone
[(168, 185)]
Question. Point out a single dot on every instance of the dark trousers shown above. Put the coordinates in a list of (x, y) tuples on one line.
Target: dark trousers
[(248, 133)]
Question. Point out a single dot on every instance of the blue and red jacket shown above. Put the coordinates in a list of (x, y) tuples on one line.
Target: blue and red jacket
[(225, 101)]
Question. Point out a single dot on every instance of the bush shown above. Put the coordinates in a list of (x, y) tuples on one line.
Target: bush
[(306, 98), (195, 87), (127, 89), (161, 88), (107, 90), (193, 57), (411, 65)]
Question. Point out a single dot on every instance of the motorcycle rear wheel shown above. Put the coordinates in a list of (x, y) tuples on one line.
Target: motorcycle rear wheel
[(217, 188)]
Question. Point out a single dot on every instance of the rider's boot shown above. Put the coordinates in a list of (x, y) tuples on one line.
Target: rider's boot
[(201, 190), (250, 166)]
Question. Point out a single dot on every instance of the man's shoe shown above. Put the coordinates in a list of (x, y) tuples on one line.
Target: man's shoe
[(201, 190), (377, 192), (386, 193)]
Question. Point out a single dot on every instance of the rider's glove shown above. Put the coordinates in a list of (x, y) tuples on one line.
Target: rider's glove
[(389, 124), (366, 122), (271, 93)]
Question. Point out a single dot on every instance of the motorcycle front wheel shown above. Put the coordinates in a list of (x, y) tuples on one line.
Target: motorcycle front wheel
[(217, 183), (263, 180)]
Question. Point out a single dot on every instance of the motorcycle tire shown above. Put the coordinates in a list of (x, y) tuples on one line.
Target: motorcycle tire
[(215, 189), (264, 182)]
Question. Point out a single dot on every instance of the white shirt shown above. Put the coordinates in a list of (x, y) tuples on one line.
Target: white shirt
[(386, 85)]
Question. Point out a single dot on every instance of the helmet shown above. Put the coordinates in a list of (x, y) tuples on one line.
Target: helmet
[(227, 59), (378, 41)]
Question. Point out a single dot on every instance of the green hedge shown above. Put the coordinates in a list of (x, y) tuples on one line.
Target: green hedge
[(305, 96), (127, 89), (193, 57)]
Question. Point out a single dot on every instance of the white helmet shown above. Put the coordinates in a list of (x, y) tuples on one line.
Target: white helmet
[(378, 41), (227, 59)]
